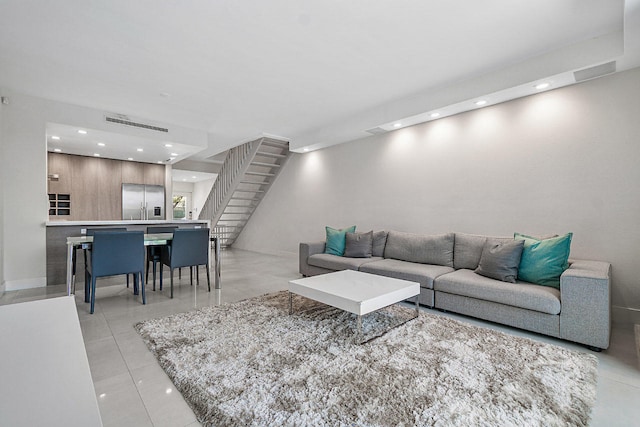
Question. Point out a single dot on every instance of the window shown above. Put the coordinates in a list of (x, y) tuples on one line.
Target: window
[(181, 205)]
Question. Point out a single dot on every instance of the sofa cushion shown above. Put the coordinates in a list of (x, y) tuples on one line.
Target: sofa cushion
[(358, 245), (467, 249), (436, 249), (336, 240), (334, 262), (421, 273), (501, 260), (521, 294), (379, 241), (544, 260)]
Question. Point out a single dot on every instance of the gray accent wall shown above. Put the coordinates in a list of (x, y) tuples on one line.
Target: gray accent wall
[(559, 161)]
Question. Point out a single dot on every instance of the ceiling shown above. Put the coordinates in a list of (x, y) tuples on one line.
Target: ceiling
[(316, 72), (191, 176), (92, 142)]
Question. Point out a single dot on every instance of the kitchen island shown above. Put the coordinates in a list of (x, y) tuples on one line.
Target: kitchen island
[(58, 231)]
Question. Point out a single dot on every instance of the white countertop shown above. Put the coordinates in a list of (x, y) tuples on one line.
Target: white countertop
[(125, 222), (45, 372)]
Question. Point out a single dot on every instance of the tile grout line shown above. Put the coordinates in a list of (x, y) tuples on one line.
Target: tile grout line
[(144, 404)]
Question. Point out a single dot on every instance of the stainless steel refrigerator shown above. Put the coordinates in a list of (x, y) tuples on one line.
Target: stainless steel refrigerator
[(143, 202)]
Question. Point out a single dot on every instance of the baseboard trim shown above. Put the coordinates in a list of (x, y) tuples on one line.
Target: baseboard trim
[(18, 285), (625, 315), (268, 252)]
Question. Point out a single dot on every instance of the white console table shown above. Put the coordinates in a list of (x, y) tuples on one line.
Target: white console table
[(44, 371)]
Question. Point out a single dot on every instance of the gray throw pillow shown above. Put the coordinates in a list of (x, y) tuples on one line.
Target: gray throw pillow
[(358, 245), (379, 241), (500, 261)]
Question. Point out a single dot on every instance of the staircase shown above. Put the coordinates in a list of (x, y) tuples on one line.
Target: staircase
[(245, 177)]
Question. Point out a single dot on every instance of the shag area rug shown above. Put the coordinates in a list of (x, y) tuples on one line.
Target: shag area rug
[(251, 363)]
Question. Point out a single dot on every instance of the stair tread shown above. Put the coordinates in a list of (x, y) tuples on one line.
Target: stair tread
[(265, 165), (267, 154), (277, 144), (259, 173)]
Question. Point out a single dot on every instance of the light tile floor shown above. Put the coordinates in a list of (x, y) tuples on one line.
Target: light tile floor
[(133, 390)]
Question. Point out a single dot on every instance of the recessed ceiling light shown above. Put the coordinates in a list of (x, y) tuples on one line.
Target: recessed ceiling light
[(305, 150), (481, 102), (541, 86), (55, 138), (139, 149), (82, 132), (434, 115), (168, 145), (129, 158), (174, 154), (101, 144), (184, 179), (397, 125), (96, 155), (193, 177), (160, 162), (57, 150)]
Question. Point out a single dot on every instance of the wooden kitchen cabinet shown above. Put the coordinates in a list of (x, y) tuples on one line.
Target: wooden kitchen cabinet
[(93, 185), (153, 174)]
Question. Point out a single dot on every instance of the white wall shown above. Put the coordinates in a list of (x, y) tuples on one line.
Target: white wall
[(201, 190), (563, 160), (185, 187), (24, 192)]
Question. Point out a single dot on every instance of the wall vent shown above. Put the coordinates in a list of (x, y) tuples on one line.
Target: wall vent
[(593, 72), (376, 131), (124, 120)]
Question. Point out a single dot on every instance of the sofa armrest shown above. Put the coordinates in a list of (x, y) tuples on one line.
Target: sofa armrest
[(306, 250), (585, 295)]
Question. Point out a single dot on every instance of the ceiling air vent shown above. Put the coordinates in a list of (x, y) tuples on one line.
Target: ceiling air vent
[(593, 72), (376, 131), (124, 120)]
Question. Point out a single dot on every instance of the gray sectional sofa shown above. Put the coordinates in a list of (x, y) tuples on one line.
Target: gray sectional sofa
[(444, 266)]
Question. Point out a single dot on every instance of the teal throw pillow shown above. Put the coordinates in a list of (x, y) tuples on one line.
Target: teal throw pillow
[(336, 240), (543, 261)]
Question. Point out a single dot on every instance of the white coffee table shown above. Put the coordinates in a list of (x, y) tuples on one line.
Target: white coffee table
[(354, 291)]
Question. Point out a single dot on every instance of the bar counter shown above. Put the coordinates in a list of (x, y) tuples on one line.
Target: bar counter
[(58, 231), (124, 223)]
